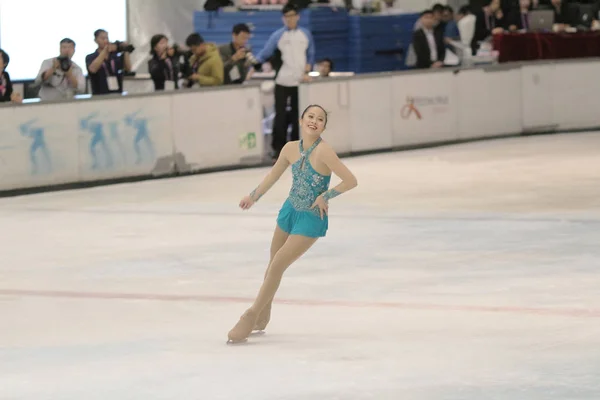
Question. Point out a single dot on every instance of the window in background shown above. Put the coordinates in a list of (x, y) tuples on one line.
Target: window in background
[(30, 30)]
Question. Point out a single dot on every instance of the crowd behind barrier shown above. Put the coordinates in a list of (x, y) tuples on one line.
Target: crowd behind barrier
[(161, 134)]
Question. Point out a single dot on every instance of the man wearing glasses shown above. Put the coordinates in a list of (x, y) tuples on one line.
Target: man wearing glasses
[(291, 52)]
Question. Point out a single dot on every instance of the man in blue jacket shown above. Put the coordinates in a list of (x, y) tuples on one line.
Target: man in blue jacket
[(291, 51)]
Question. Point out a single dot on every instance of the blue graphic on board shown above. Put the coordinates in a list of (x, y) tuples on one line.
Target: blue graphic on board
[(113, 128), (142, 138), (118, 141), (99, 150), (39, 156)]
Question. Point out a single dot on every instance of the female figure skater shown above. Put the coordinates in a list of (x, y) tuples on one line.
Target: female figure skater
[(303, 217)]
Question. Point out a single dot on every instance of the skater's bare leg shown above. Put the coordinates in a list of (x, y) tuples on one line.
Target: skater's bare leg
[(279, 238), (293, 248)]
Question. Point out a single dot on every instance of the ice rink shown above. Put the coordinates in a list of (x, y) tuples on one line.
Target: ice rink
[(464, 272)]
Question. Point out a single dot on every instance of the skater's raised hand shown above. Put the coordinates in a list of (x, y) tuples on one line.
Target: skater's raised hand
[(246, 203), (275, 173), (322, 204)]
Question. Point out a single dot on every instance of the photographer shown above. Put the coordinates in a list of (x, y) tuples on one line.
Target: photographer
[(6, 87), (237, 57), (207, 66), (61, 78), (107, 65), (164, 64)]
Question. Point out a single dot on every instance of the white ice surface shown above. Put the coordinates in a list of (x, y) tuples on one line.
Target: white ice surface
[(465, 272)]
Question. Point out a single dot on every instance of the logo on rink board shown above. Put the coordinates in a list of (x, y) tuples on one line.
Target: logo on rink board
[(415, 105), (410, 109)]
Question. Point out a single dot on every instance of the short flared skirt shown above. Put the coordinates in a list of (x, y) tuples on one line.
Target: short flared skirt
[(304, 223)]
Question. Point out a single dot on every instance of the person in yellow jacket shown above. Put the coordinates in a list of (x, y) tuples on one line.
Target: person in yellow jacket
[(206, 62)]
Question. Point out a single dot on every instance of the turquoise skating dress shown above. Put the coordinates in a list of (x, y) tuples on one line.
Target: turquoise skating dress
[(296, 216)]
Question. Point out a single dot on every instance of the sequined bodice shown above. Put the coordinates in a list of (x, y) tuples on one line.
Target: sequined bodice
[(307, 184)]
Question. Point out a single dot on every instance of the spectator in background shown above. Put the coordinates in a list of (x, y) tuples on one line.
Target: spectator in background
[(6, 87), (466, 25), (562, 19), (460, 30), (391, 7), (107, 65), (439, 22), (428, 43), (489, 21), (60, 78), (451, 29), (293, 51), (164, 65), (324, 67), (411, 57), (207, 66), (448, 14), (237, 57), (519, 18), (438, 13)]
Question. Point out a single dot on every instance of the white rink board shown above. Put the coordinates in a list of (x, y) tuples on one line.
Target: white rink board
[(203, 129), (218, 128), (577, 89), (371, 113), (489, 102), (538, 91)]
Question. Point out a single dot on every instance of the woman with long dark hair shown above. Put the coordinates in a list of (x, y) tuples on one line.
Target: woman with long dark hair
[(164, 65)]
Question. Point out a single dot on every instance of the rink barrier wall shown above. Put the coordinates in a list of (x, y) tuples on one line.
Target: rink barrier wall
[(124, 138), (108, 139)]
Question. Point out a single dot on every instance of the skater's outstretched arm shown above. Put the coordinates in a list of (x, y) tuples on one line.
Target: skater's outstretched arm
[(278, 169), (330, 158)]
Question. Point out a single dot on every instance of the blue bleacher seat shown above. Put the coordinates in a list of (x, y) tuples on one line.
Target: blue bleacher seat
[(354, 43)]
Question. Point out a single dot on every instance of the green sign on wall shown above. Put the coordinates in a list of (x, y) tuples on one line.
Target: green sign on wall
[(248, 140)]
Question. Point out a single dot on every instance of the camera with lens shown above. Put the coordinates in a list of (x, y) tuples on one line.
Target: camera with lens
[(177, 51), (121, 47), (65, 63), (250, 59)]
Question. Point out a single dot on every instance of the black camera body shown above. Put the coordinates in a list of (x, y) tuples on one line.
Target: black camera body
[(177, 51), (65, 63), (123, 47)]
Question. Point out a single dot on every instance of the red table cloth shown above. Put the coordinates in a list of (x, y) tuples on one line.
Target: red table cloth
[(546, 46)]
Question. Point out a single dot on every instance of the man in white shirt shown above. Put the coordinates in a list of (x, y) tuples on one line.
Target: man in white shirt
[(428, 43), (466, 25), (60, 77), (291, 51)]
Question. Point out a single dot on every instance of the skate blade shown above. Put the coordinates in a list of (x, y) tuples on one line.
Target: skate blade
[(236, 342), (258, 333)]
